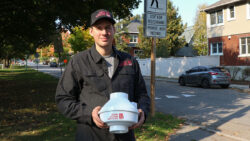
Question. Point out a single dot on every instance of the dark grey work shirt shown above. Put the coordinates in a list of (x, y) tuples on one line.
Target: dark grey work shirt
[(85, 84)]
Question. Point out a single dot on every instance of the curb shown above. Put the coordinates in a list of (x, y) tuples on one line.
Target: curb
[(242, 88)]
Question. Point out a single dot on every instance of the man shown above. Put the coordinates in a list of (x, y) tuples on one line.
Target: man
[(92, 75)]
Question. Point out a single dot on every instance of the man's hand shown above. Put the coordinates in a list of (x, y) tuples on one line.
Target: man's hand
[(97, 119), (141, 120)]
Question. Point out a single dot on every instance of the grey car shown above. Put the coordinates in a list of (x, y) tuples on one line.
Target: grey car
[(206, 76), (53, 64)]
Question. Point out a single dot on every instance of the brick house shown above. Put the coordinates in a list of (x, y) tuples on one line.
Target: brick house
[(228, 31), (132, 32)]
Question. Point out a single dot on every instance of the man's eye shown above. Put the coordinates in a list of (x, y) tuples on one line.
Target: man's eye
[(99, 28), (108, 28)]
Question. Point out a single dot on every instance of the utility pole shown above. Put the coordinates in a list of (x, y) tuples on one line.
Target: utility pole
[(152, 86)]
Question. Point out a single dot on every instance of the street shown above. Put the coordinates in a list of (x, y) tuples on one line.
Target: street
[(54, 71), (225, 111)]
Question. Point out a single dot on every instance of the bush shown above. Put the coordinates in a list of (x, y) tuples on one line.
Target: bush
[(233, 71), (245, 73)]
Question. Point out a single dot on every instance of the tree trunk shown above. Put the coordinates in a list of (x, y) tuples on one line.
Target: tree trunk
[(6, 63)]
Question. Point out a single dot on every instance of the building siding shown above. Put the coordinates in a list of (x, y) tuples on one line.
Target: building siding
[(231, 27), (231, 50)]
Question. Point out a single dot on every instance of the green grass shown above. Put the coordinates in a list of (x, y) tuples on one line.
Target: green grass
[(158, 128), (28, 111)]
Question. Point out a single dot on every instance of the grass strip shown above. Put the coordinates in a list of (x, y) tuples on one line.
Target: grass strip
[(28, 111)]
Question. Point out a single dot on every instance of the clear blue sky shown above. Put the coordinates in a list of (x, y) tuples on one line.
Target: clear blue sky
[(187, 9)]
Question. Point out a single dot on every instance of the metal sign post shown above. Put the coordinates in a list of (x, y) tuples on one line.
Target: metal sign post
[(37, 60), (155, 25)]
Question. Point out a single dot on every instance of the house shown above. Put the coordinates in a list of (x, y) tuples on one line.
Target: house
[(132, 32), (187, 50), (228, 31)]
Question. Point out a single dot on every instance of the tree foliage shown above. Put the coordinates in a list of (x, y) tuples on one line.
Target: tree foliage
[(28, 24), (144, 43), (167, 46), (200, 35), (80, 39), (175, 28), (122, 36)]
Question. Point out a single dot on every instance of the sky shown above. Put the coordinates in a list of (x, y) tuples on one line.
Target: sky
[(187, 9)]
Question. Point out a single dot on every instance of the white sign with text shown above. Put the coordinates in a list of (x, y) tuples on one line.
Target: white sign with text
[(156, 25), (155, 18)]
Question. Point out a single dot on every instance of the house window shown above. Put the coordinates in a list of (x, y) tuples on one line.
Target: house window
[(213, 18), (216, 17), (216, 48), (245, 46), (231, 13), (219, 17), (248, 10), (134, 39)]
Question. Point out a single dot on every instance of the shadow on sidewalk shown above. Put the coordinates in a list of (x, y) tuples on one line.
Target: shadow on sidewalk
[(203, 132)]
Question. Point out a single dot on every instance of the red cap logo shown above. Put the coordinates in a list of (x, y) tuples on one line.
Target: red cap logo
[(103, 13)]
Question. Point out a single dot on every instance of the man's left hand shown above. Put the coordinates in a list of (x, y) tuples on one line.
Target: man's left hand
[(141, 120)]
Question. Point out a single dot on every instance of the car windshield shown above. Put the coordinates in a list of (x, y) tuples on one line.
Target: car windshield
[(216, 69)]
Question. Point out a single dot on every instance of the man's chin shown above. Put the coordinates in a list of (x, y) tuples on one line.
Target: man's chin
[(105, 44)]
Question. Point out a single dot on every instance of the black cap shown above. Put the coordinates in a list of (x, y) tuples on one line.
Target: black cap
[(101, 14)]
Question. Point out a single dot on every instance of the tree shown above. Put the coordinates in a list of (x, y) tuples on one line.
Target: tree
[(80, 39), (122, 37), (167, 46), (200, 35), (144, 43), (175, 28), (32, 22)]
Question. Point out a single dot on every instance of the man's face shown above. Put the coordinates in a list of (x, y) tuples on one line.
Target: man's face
[(103, 33)]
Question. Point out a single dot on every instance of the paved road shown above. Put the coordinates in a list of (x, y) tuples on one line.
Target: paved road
[(224, 111), (46, 69), (212, 114)]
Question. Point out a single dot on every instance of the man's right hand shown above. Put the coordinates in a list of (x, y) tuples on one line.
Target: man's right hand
[(97, 119)]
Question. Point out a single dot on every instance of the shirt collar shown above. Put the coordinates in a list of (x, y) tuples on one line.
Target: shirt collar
[(97, 56)]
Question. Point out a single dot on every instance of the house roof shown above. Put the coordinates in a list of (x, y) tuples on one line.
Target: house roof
[(188, 34), (133, 27), (220, 4)]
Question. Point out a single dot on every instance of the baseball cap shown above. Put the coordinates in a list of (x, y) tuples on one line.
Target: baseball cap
[(101, 14)]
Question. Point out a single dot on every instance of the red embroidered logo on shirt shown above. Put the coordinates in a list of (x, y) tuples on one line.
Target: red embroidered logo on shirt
[(126, 63)]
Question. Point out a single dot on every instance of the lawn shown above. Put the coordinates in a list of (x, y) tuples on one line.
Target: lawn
[(28, 111)]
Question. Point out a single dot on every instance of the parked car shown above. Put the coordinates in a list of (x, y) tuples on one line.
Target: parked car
[(45, 62), (206, 76), (53, 64)]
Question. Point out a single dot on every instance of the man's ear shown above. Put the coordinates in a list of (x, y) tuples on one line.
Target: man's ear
[(114, 28), (91, 31)]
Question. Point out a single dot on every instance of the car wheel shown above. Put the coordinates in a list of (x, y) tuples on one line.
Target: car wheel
[(224, 86), (205, 83), (182, 81)]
